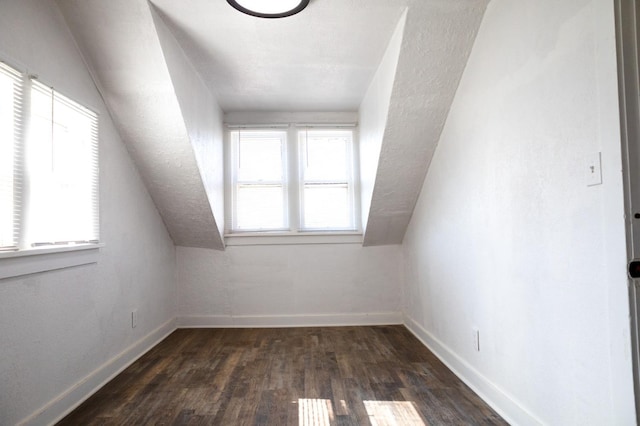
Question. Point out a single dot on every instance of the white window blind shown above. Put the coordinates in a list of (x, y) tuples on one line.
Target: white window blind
[(61, 170), (10, 156)]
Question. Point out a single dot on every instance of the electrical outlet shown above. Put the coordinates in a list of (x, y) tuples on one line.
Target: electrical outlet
[(134, 318), (476, 339)]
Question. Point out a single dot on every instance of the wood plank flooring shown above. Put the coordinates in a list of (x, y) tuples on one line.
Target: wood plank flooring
[(288, 376)]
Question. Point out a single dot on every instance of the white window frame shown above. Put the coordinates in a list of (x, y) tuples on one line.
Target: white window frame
[(28, 257), (233, 237), (302, 136), (237, 183)]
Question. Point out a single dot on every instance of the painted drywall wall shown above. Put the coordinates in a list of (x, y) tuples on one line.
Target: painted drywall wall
[(289, 285), (201, 114), (63, 332), (373, 117), (508, 238), (287, 117)]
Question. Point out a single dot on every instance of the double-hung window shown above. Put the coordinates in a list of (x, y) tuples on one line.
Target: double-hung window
[(48, 166), (326, 180), (291, 180), (259, 180)]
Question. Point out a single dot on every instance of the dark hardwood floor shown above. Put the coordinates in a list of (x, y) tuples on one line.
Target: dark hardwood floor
[(287, 376)]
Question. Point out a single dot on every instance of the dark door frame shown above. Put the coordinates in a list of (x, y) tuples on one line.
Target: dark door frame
[(628, 52)]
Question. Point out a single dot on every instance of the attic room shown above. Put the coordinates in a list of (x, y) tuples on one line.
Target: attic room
[(473, 226)]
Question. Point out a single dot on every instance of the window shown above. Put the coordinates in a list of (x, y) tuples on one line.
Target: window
[(326, 179), (49, 171), (259, 190), (291, 180)]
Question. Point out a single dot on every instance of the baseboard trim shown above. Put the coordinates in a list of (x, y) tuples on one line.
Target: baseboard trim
[(263, 321), (510, 409), (70, 399)]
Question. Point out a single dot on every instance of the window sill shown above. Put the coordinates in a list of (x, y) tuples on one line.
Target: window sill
[(265, 239), (42, 259)]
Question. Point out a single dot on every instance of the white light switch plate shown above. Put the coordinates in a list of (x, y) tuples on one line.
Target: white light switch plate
[(594, 169)]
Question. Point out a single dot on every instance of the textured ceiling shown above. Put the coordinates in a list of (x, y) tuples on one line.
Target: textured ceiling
[(153, 60), (322, 59)]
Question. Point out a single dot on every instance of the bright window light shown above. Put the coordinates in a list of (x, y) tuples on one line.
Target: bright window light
[(260, 207), (48, 166), (327, 179), (61, 169), (259, 181), (291, 180), (327, 155), (260, 158), (326, 206)]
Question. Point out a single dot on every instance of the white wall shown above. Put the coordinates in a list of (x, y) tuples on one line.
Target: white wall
[(507, 236), (289, 285), (59, 328), (202, 117), (373, 113)]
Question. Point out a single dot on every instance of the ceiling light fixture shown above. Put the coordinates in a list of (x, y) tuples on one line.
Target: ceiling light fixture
[(269, 8)]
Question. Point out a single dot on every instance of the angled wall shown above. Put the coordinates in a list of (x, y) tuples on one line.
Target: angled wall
[(201, 114), (373, 112), (129, 66), (400, 129), (65, 332), (508, 239)]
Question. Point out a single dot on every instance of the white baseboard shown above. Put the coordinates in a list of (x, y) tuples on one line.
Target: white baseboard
[(256, 321), (67, 401), (510, 409)]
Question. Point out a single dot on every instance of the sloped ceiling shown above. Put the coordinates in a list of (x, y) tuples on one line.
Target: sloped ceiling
[(120, 44), (438, 37), (322, 60)]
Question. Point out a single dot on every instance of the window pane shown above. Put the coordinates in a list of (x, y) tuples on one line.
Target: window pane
[(327, 156), (326, 206), (260, 158), (62, 171), (260, 207), (6, 161)]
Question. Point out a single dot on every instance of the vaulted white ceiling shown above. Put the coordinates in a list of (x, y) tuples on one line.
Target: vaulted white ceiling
[(169, 69)]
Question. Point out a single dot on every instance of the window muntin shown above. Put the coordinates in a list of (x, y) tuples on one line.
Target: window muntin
[(294, 180), (53, 191)]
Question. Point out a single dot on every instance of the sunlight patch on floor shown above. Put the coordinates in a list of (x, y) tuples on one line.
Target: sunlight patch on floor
[(315, 412), (393, 413)]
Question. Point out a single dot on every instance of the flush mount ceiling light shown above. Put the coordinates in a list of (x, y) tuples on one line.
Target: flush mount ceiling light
[(269, 8)]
